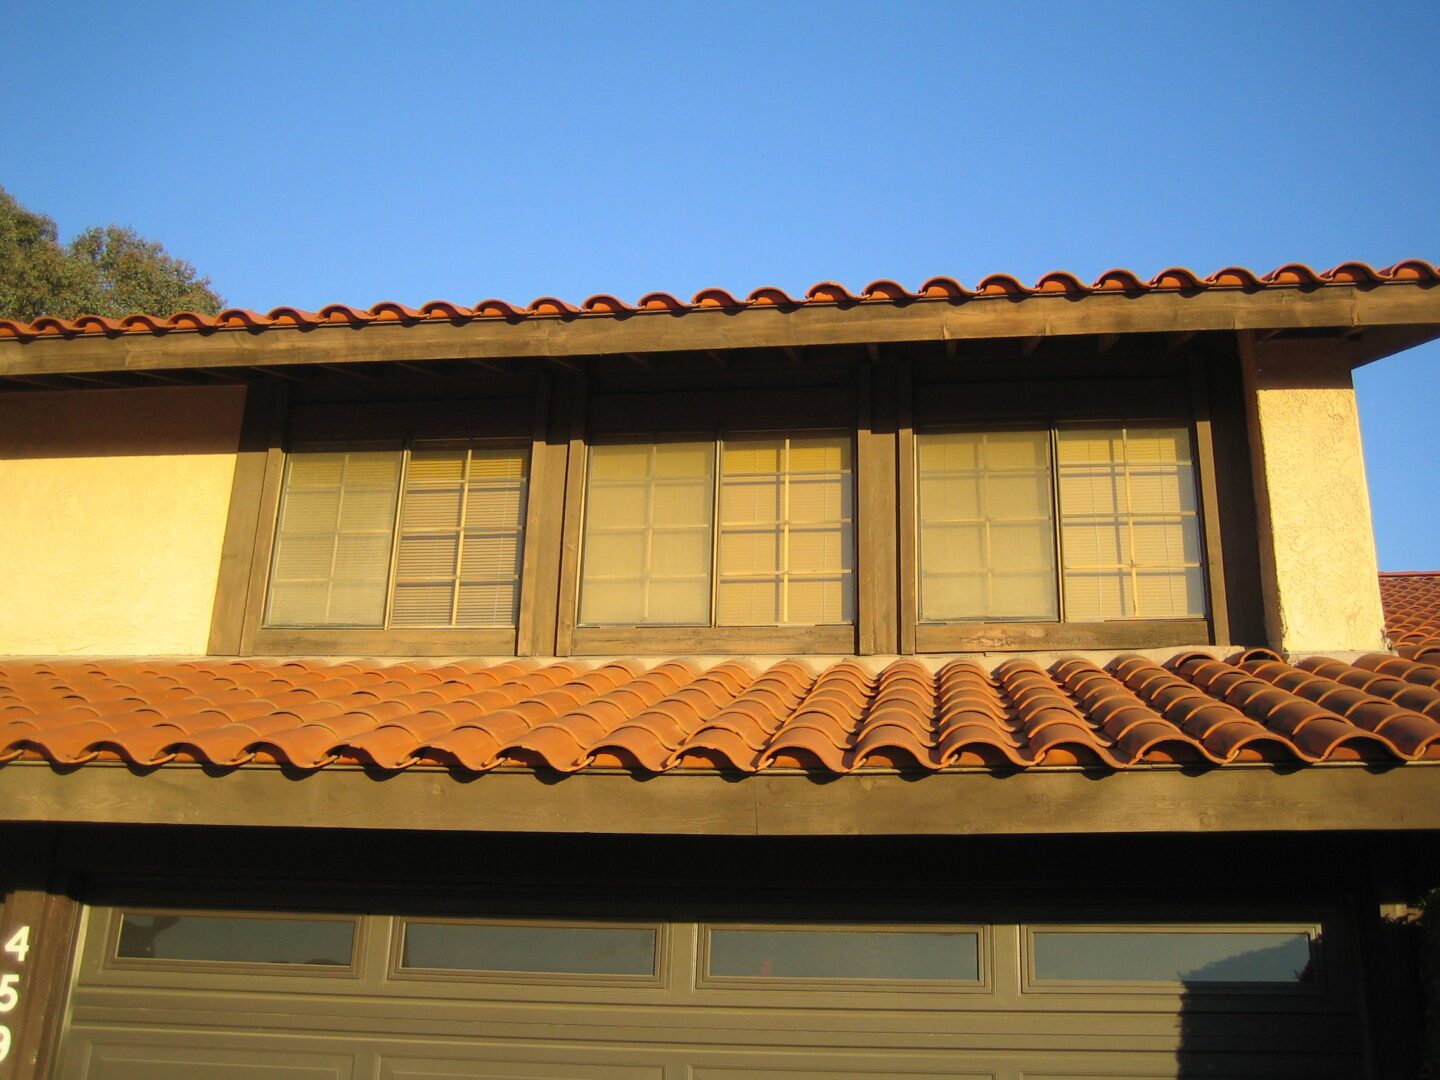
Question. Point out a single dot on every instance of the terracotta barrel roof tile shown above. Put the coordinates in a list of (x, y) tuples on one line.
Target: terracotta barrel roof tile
[(566, 716)]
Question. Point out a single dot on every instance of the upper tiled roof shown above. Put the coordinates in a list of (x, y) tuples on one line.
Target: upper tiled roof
[(1412, 613), (1058, 282), (567, 716)]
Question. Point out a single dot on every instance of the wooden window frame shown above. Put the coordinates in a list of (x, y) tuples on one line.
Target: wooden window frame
[(717, 440), (612, 417), (272, 425), (877, 399), (1048, 406)]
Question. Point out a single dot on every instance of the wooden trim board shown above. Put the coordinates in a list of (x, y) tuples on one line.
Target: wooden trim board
[(1037, 801)]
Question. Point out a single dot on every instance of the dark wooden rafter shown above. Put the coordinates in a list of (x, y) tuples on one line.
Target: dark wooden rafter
[(1175, 342)]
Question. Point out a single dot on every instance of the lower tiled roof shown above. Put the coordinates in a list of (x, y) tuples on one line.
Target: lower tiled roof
[(652, 717), (1412, 613)]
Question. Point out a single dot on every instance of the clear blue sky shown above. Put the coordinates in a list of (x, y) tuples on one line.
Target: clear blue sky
[(300, 154)]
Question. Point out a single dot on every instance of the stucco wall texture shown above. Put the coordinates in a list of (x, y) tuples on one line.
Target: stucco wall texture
[(114, 507), (1317, 542)]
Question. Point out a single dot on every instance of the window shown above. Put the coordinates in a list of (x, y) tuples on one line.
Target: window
[(235, 939), (1076, 523), (425, 534), (747, 530)]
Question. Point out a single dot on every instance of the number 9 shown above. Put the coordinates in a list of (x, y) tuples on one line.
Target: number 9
[(4, 1042)]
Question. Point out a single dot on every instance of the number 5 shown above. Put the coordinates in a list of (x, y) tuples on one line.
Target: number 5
[(9, 996)]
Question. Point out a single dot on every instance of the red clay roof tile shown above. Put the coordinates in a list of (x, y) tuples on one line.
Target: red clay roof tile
[(1057, 282), (1412, 613), (566, 716)]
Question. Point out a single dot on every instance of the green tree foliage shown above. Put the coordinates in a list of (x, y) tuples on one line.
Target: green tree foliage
[(104, 271)]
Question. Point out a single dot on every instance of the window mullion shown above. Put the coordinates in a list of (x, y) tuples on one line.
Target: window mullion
[(716, 494), (1129, 522), (395, 534), (1056, 531), (335, 533), (784, 582), (460, 537)]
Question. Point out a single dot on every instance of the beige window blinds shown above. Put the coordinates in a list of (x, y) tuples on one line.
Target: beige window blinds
[(771, 544), (425, 535), (1118, 503)]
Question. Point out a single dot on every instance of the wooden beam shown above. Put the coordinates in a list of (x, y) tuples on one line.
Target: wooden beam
[(427, 370), (696, 802), (287, 376), (1175, 342), (356, 372), (494, 367), (1331, 307)]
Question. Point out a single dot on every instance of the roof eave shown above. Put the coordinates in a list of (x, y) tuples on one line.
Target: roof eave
[(1369, 320)]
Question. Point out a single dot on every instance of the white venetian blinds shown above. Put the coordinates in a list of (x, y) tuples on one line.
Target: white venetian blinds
[(782, 551), (647, 534), (1129, 531), (429, 536), (332, 550), (1119, 500), (787, 537), (987, 535), (462, 532)]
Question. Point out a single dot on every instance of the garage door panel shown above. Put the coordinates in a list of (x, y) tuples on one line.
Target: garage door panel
[(838, 1069), (155, 1055), (456, 1063), (921, 999)]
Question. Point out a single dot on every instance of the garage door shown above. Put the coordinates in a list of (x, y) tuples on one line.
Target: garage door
[(1044, 993)]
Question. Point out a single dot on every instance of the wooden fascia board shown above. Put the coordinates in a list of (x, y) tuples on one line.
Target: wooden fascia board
[(1333, 306), (1039, 802)]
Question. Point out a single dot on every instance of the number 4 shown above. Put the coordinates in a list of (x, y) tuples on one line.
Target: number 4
[(19, 945)]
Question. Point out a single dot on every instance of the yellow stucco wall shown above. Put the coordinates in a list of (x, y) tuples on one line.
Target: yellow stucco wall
[(1317, 542), (112, 517)]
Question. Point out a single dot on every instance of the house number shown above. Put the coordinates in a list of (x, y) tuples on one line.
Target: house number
[(18, 947)]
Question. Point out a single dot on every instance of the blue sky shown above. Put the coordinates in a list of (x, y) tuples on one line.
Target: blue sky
[(303, 154)]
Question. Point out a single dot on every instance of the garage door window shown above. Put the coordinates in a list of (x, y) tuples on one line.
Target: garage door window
[(235, 939), (1170, 955), (899, 956), (530, 949)]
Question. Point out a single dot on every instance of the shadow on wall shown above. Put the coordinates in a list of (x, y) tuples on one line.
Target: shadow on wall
[(110, 423), (1210, 1027)]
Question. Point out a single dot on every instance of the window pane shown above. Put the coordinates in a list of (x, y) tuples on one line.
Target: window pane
[(1173, 956), (576, 950), (787, 538), (986, 530), (845, 954), (462, 532), (234, 939), (647, 534), (1129, 524), (332, 545)]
